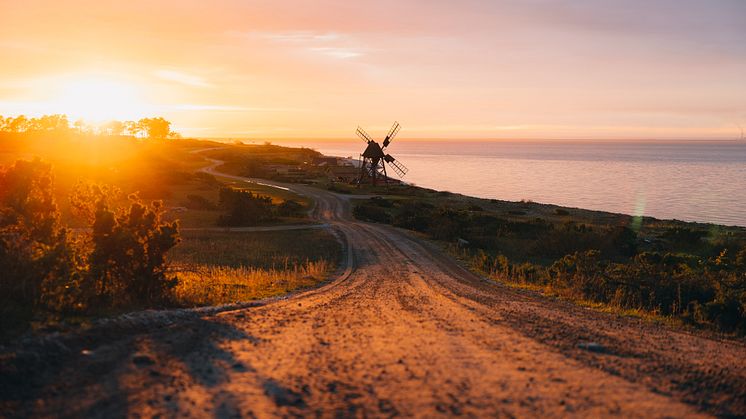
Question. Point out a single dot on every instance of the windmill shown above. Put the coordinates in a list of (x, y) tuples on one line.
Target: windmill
[(375, 159)]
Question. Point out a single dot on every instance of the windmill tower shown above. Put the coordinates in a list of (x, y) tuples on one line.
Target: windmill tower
[(374, 159)]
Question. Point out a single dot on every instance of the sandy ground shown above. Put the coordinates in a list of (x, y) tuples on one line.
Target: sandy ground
[(403, 330)]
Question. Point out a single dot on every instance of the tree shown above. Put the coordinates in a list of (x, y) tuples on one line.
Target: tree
[(56, 123), (113, 128), (155, 128), (18, 124), (132, 128), (80, 126)]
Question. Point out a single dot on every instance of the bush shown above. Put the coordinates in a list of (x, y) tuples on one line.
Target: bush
[(367, 212), (381, 202), (289, 208), (243, 208), (447, 224), (125, 253), (414, 216), (121, 262), (34, 249)]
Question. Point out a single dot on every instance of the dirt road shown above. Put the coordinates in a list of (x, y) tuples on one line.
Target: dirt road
[(402, 331)]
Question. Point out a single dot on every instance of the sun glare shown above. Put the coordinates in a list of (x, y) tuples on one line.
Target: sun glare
[(99, 99)]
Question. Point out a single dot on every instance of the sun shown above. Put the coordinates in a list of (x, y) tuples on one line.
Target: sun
[(98, 99)]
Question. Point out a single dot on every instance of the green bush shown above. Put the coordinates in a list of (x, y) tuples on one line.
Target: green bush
[(371, 212), (244, 208)]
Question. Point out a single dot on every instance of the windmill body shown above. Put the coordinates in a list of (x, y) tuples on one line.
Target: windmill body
[(374, 159)]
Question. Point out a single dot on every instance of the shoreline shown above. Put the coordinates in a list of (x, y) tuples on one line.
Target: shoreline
[(560, 206)]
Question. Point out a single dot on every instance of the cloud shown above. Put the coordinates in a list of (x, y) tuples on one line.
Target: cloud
[(301, 36), (343, 53), (330, 44), (183, 78), (228, 108)]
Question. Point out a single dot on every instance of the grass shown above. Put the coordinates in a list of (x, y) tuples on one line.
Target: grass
[(264, 249), (211, 285), (225, 267), (559, 294)]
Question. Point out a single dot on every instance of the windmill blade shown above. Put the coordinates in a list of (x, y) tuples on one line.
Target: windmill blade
[(392, 133), (363, 135), (399, 168)]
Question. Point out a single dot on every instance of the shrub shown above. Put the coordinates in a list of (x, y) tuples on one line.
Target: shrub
[(47, 269), (243, 208), (34, 249), (125, 254), (367, 212), (381, 202), (414, 216), (289, 208)]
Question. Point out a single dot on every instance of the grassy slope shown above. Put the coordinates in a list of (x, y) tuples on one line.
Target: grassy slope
[(267, 263), (534, 236)]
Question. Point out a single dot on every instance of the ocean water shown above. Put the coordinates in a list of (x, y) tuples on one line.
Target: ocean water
[(701, 181)]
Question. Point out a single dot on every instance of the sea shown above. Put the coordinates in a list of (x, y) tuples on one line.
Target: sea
[(703, 181)]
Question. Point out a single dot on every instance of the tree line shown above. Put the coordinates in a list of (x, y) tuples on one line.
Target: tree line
[(156, 128)]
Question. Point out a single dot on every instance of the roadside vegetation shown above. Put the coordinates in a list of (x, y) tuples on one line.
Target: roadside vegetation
[(92, 219), (119, 261), (693, 273), (219, 267)]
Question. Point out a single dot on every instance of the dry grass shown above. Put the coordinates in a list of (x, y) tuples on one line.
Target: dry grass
[(263, 249), (225, 267), (211, 285)]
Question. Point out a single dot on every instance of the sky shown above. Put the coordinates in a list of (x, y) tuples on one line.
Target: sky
[(594, 69)]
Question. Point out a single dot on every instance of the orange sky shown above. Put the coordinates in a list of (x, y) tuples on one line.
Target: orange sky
[(469, 69)]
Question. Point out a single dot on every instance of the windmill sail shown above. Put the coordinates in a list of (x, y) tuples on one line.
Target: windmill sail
[(363, 135), (399, 168), (392, 133)]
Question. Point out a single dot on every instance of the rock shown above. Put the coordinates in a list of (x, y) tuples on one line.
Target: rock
[(239, 367), (283, 396), (142, 360), (592, 346)]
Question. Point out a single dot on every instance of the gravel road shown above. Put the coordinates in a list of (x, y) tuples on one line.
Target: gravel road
[(402, 331)]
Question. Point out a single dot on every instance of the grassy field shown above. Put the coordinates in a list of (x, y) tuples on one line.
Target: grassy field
[(225, 267), (265, 249)]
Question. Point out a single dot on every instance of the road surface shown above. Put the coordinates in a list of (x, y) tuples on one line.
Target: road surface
[(402, 331)]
